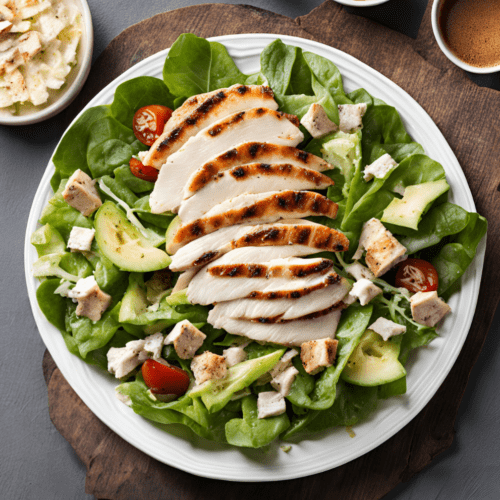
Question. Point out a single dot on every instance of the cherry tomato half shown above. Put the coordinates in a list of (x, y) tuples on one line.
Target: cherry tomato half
[(162, 379), (417, 275), (149, 122), (143, 171)]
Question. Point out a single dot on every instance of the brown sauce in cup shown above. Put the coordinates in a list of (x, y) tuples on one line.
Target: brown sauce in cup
[(471, 30)]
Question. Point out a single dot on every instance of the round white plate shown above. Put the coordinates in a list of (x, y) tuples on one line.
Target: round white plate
[(426, 371)]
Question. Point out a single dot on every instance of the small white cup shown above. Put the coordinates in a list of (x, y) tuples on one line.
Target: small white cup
[(445, 49)]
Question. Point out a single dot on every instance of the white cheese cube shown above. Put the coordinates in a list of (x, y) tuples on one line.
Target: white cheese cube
[(427, 308), (379, 168), (80, 239), (316, 121), (92, 301), (186, 338), (365, 291), (318, 354), (234, 355), (383, 251), (359, 271), (351, 117), (81, 193), (123, 360), (283, 382), (387, 328), (284, 362), (153, 344), (270, 404), (208, 366)]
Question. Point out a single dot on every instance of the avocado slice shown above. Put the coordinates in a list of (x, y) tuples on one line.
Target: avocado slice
[(123, 244), (374, 361), (408, 211), (171, 230)]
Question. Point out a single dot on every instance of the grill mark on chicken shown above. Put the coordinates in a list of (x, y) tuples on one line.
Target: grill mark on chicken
[(205, 258), (293, 118), (188, 117), (265, 271), (277, 319), (247, 153), (330, 280), (274, 170), (284, 204)]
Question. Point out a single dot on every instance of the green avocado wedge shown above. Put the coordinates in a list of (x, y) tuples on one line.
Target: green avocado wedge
[(123, 244), (374, 362), (408, 211), (171, 230)]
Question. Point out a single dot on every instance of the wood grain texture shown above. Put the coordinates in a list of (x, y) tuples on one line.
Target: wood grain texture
[(463, 112)]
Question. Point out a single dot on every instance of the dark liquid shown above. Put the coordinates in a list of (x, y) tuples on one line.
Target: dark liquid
[(471, 30)]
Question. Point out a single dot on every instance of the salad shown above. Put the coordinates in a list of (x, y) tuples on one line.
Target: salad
[(145, 309)]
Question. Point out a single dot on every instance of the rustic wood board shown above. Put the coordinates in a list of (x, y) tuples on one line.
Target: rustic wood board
[(463, 112)]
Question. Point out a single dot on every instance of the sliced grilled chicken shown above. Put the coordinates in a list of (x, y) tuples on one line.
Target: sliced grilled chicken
[(257, 124), (289, 268), (202, 111), (250, 152), (254, 208), (289, 333), (284, 309), (205, 289), (251, 178), (299, 237)]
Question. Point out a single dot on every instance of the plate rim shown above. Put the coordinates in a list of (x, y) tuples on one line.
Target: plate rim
[(42, 323)]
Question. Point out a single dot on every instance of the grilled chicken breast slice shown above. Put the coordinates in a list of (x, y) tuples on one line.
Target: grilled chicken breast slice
[(206, 289), (251, 152), (254, 208), (282, 309), (292, 333), (202, 111), (257, 124), (300, 237), (252, 178)]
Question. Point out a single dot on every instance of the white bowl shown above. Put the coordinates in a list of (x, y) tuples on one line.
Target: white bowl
[(446, 50), (361, 3), (74, 82)]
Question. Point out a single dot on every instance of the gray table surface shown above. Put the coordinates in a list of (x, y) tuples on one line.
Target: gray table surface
[(37, 462)]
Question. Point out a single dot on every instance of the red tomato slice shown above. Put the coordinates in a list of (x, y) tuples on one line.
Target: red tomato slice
[(143, 172), (162, 379), (149, 122), (417, 275)]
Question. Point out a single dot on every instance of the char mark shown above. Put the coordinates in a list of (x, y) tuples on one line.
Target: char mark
[(205, 259), (238, 173), (304, 236), (253, 150), (242, 89), (303, 156)]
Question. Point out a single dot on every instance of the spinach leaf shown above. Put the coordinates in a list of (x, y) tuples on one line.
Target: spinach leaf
[(252, 432), (353, 324), (195, 66), (136, 93), (71, 153)]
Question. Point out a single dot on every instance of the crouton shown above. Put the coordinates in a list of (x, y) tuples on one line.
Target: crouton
[(92, 301), (318, 354), (81, 193), (427, 308), (383, 251), (316, 121), (186, 338), (208, 366)]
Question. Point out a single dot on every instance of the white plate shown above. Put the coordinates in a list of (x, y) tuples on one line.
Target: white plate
[(427, 370), (361, 3)]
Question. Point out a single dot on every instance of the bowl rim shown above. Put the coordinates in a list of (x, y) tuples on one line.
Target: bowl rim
[(76, 85), (361, 3), (448, 53)]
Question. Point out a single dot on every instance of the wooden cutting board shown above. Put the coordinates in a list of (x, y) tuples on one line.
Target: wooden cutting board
[(466, 115)]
